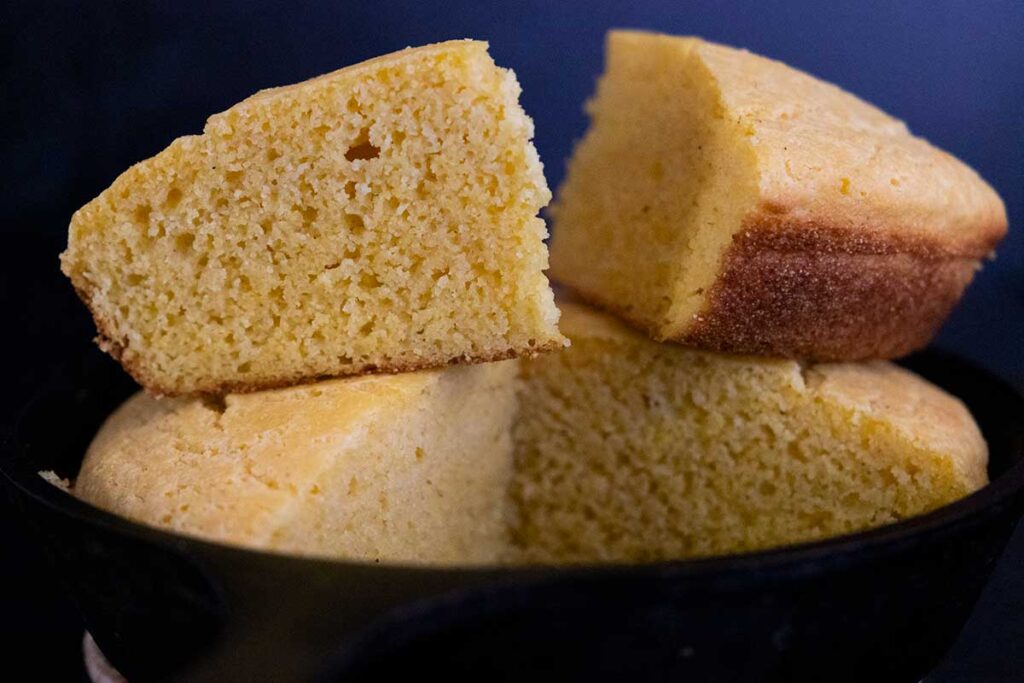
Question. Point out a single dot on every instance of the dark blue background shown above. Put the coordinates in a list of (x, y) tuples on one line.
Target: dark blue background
[(91, 87)]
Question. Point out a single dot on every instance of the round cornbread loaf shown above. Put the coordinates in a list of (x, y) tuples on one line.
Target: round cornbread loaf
[(411, 467), (727, 201), (629, 450), (381, 218)]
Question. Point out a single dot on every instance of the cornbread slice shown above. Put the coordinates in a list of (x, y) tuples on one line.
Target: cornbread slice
[(379, 218), (410, 467), (730, 202), (629, 450)]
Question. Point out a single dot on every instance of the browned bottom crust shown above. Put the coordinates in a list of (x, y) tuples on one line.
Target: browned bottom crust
[(828, 298), (154, 387), (822, 295)]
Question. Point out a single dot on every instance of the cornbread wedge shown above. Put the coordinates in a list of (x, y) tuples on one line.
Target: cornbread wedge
[(381, 218), (411, 467), (730, 202), (630, 451)]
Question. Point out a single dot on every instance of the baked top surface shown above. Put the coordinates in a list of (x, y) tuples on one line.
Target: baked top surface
[(406, 467), (826, 157)]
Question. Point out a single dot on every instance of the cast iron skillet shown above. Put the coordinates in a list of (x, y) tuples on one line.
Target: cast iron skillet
[(881, 605)]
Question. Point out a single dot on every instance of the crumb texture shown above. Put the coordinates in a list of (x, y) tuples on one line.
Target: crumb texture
[(379, 218), (405, 468), (633, 451), (697, 150)]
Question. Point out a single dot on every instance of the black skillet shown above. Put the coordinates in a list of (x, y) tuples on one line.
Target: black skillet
[(875, 606)]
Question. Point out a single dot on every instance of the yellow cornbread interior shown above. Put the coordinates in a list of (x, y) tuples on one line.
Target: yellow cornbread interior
[(382, 217), (412, 467), (629, 450), (656, 188)]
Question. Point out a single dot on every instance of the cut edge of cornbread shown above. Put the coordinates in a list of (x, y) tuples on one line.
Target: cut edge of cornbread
[(381, 218), (632, 451)]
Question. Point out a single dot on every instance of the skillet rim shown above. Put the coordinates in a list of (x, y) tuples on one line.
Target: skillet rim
[(970, 511)]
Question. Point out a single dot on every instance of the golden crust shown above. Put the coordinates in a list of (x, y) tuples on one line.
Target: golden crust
[(843, 162), (825, 294), (402, 468), (819, 296)]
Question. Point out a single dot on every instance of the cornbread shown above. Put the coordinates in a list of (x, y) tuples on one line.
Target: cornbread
[(629, 450), (409, 467), (379, 218), (730, 202)]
